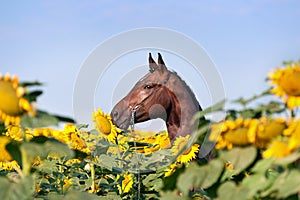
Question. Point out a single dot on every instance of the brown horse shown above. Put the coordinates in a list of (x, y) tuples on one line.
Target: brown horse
[(159, 94)]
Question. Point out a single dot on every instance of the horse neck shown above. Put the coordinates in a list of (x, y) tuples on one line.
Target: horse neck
[(183, 106)]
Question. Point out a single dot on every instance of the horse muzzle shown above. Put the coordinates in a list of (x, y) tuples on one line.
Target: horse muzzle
[(120, 119)]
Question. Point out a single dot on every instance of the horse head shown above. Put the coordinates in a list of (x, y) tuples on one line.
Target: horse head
[(159, 94), (149, 98)]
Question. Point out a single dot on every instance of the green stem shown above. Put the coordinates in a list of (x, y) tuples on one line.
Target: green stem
[(93, 176), (26, 165)]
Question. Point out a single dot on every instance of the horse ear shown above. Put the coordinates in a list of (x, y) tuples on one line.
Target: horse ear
[(152, 64), (161, 63)]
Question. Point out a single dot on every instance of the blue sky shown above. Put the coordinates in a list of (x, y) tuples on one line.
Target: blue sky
[(49, 40)]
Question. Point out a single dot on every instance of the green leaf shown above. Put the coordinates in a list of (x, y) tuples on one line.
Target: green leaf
[(262, 165), (213, 172), (65, 119), (153, 182), (30, 151), (14, 150), (155, 185), (150, 178), (110, 197), (255, 183), (271, 107), (227, 175), (200, 176), (272, 176), (101, 147), (249, 113), (47, 166), (288, 159), (170, 181), (80, 126), (5, 187), (107, 162), (192, 177), (287, 183), (229, 191), (41, 119), (73, 195), (32, 96), (31, 83), (2, 128), (60, 149), (240, 158), (24, 189), (171, 196)]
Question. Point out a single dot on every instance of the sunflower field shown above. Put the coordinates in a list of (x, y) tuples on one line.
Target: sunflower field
[(255, 154)]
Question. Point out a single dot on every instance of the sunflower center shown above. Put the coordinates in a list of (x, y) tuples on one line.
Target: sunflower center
[(9, 102), (291, 83), (103, 125)]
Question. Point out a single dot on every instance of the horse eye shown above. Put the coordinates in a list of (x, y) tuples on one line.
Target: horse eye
[(148, 87)]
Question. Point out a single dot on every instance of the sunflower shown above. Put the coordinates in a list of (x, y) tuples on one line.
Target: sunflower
[(6, 161), (263, 130), (74, 139), (171, 169), (242, 132), (70, 135), (73, 161), (286, 84), (12, 103), (188, 154), (179, 144), (68, 183), (47, 132), (293, 132), (278, 149), (15, 132), (231, 132), (4, 156), (8, 166), (103, 123), (126, 183), (156, 142), (163, 140), (59, 135), (270, 128)]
